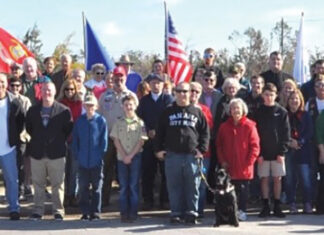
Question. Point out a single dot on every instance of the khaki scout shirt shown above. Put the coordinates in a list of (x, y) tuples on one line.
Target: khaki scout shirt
[(110, 105), (128, 133)]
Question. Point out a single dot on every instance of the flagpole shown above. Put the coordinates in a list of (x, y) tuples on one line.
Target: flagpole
[(84, 39), (166, 39)]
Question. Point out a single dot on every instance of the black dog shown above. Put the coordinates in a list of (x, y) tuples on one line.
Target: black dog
[(225, 200)]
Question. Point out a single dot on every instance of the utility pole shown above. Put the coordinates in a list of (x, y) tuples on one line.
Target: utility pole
[(282, 36)]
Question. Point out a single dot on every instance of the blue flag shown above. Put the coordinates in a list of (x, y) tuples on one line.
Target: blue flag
[(94, 51)]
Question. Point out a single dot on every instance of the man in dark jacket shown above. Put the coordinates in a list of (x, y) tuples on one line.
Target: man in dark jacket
[(308, 88), (11, 125), (60, 76), (182, 136), (275, 74), (149, 110), (49, 124), (209, 65), (274, 131)]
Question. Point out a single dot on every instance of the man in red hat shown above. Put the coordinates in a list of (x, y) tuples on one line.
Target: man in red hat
[(133, 78), (110, 106)]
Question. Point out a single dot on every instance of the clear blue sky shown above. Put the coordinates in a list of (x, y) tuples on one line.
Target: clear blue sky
[(139, 24)]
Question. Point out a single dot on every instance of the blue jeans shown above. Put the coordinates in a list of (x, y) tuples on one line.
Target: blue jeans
[(8, 164), (129, 176), (202, 187), (93, 176), (183, 180), (293, 172), (71, 172)]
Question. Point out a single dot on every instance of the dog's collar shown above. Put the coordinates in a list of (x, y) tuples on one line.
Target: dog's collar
[(228, 189)]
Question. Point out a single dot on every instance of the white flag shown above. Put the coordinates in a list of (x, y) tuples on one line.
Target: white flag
[(301, 68)]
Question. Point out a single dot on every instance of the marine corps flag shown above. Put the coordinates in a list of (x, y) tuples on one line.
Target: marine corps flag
[(11, 51)]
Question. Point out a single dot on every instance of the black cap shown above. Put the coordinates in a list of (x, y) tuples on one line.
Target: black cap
[(154, 76)]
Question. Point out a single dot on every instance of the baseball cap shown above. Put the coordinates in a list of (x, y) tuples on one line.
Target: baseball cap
[(154, 76), (119, 70), (90, 99)]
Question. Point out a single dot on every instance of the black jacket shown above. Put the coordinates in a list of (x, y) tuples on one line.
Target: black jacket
[(48, 141), (150, 111), (274, 130), (276, 78), (16, 119), (182, 130)]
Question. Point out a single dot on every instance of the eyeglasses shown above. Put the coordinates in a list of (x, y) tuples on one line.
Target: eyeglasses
[(195, 91), (209, 79), (15, 85), (100, 73), (181, 91), (208, 56), (69, 89)]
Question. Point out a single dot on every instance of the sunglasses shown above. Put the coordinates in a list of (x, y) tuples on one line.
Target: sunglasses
[(195, 91), (15, 85), (102, 73), (181, 91), (208, 56), (69, 89)]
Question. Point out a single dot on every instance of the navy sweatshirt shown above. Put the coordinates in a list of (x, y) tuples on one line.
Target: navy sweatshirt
[(150, 111), (182, 130)]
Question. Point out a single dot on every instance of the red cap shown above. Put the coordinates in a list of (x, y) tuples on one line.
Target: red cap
[(119, 70)]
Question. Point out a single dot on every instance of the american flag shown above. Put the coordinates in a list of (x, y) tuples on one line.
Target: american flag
[(179, 68)]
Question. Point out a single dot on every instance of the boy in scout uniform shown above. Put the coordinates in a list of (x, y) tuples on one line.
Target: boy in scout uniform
[(129, 134)]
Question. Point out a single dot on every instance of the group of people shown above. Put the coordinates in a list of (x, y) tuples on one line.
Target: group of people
[(81, 134)]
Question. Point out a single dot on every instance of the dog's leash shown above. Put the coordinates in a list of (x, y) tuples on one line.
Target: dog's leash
[(202, 175)]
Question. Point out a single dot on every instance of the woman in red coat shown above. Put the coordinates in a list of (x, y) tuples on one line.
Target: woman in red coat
[(238, 147)]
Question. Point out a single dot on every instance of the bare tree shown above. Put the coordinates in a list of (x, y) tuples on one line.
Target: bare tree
[(254, 54)]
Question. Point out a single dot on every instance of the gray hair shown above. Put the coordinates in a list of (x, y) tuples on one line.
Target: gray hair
[(66, 56), (231, 81), (96, 66), (240, 102), (79, 71), (29, 61), (196, 84), (240, 66)]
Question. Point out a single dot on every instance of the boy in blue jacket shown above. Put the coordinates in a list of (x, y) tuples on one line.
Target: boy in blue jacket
[(89, 145)]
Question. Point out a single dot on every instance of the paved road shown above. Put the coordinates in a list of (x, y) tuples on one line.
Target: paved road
[(153, 222), (158, 224)]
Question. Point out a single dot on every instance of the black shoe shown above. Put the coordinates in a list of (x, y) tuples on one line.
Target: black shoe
[(191, 219), (14, 215), (265, 212), (84, 217), (22, 198), (58, 217), (94, 217), (35, 217), (27, 191), (175, 220), (277, 212)]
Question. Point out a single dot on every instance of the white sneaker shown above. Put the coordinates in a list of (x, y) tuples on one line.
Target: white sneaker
[(242, 216)]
